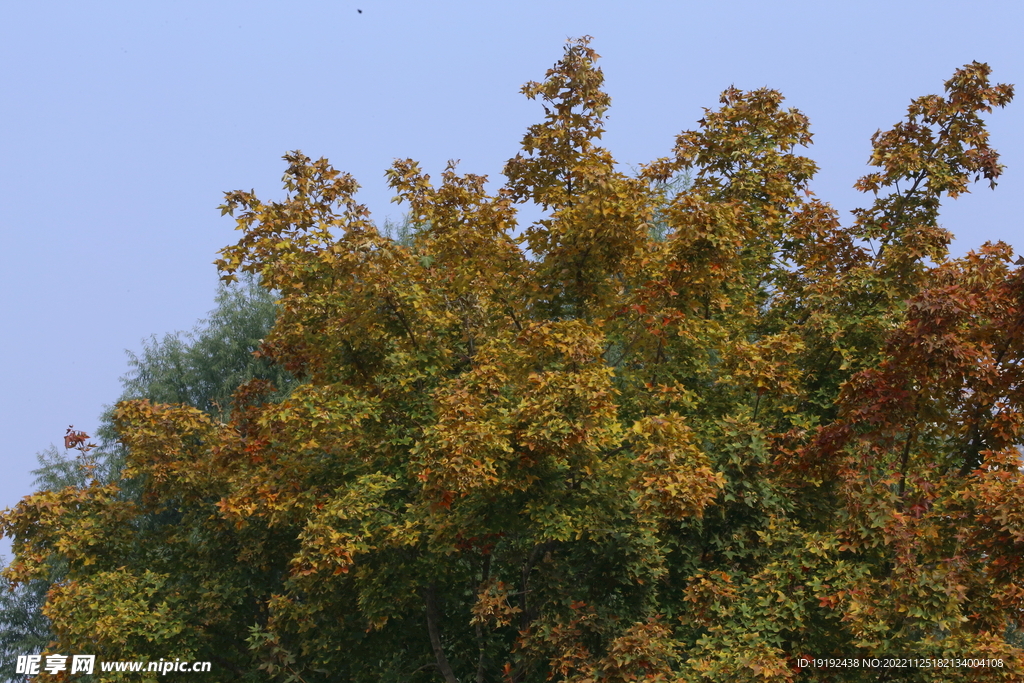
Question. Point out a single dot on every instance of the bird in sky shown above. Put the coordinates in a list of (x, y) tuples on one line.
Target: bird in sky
[(360, 11)]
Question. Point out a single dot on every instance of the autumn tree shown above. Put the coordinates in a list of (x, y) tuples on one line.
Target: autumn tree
[(202, 368), (586, 450)]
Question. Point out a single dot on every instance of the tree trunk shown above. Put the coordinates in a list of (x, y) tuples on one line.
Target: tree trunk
[(435, 635)]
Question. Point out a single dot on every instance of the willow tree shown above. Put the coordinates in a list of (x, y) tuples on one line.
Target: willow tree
[(585, 450)]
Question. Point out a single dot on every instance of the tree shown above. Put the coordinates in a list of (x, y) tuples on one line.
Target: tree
[(201, 368), (23, 628), (592, 451)]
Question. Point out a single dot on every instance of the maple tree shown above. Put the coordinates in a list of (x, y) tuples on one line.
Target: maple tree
[(688, 435), (202, 368)]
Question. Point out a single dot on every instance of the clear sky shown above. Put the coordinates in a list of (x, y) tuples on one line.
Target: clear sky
[(122, 123)]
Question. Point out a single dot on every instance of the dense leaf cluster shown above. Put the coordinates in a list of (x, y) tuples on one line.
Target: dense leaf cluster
[(688, 435)]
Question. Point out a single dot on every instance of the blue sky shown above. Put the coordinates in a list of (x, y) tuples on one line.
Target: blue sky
[(122, 123)]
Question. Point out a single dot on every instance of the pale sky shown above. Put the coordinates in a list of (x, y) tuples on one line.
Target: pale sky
[(122, 123)]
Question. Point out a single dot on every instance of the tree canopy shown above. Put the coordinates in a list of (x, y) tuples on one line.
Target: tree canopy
[(691, 435)]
